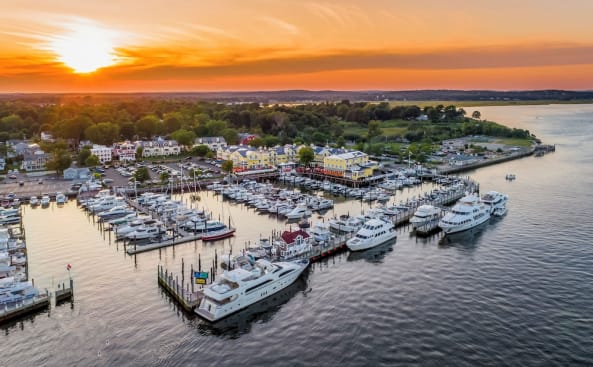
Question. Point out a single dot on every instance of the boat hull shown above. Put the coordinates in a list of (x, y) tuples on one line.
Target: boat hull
[(271, 289), (365, 245), (465, 227), (219, 235)]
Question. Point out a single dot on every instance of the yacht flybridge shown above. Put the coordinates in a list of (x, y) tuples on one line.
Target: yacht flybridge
[(236, 289)]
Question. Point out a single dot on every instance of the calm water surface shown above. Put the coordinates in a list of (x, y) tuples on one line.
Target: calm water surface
[(517, 291)]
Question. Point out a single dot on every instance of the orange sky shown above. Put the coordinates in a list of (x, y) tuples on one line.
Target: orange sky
[(181, 45)]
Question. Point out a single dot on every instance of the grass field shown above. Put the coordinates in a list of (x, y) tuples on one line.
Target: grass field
[(514, 142)]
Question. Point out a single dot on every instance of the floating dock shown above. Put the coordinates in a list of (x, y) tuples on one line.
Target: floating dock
[(23, 309), (181, 237)]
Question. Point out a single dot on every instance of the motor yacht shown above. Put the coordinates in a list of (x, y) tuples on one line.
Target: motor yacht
[(495, 200), (61, 198), (123, 230), (237, 289), (320, 232), (346, 223), (146, 231), (424, 215), (116, 211), (373, 233), (467, 213), (45, 200), (298, 212)]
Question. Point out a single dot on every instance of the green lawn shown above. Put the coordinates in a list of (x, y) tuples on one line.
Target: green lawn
[(514, 142)]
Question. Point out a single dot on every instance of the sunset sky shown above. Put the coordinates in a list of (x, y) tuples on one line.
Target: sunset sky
[(183, 45)]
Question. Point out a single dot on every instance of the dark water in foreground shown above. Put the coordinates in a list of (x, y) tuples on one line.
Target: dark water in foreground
[(517, 291)]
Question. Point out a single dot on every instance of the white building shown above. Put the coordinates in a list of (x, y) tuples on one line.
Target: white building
[(34, 161), (124, 151), (212, 142), (102, 152), (159, 148)]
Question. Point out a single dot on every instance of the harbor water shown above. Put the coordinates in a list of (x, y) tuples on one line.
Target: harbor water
[(518, 290)]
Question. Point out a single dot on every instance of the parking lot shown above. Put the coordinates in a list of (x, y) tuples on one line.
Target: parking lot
[(123, 175), (25, 185)]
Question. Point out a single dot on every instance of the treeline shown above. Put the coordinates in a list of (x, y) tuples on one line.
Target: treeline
[(317, 123)]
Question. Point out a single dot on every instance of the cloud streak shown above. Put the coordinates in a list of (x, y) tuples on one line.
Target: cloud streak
[(451, 59)]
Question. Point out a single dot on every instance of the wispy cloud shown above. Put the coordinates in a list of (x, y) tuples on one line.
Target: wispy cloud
[(451, 59), (281, 24)]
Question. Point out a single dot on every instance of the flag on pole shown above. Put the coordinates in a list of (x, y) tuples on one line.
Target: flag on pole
[(68, 267)]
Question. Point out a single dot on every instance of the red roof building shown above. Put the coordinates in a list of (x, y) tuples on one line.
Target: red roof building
[(291, 237)]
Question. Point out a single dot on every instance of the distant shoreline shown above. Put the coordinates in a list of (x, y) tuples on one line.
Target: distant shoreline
[(480, 103)]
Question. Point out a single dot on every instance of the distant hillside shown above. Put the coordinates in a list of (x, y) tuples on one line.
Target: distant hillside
[(297, 96)]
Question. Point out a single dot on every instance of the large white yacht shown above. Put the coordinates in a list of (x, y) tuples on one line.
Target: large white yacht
[(237, 289), (495, 201), (425, 214), (467, 213), (373, 233)]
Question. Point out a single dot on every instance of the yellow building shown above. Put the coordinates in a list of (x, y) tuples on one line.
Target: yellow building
[(353, 165)]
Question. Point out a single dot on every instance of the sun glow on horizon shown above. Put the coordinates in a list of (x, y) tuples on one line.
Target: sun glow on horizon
[(85, 48)]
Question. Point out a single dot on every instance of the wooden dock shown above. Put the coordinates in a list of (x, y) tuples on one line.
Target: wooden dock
[(42, 302), (65, 294), (188, 298), (24, 308)]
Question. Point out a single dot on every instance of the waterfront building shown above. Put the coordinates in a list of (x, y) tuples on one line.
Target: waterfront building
[(353, 165), (102, 152)]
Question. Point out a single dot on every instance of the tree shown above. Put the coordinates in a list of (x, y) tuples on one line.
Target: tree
[(104, 133), (306, 156), (164, 176), (147, 126), (92, 161), (227, 166), (172, 122), (231, 136), (184, 137), (139, 152), (374, 130), (476, 115), (142, 174), (83, 156), (201, 150), (128, 130), (59, 161)]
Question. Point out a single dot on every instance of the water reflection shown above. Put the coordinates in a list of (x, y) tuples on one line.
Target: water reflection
[(375, 254), (467, 239), (240, 323)]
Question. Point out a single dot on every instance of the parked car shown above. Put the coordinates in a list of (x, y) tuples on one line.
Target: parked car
[(21, 183), (12, 176)]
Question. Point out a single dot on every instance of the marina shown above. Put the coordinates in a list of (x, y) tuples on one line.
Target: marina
[(425, 284)]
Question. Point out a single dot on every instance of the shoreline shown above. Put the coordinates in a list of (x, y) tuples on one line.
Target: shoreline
[(486, 162)]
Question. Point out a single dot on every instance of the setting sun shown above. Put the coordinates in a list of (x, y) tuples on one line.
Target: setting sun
[(86, 48)]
